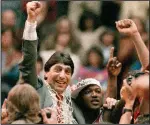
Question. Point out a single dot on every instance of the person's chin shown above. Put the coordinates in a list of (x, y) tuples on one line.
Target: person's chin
[(95, 107)]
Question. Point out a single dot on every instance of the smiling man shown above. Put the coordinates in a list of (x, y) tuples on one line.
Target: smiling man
[(58, 70)]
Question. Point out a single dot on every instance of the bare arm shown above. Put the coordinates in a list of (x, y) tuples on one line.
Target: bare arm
[(126, 118), (113, 68), (128, 95), (129, 28), (141, 49)]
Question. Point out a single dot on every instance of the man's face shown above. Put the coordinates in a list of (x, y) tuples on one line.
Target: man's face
[(92, 97), (59, 77)]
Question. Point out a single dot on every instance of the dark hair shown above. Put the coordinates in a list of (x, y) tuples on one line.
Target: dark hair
[(88, 15), (99, 52), (59, 57), (133, 74)]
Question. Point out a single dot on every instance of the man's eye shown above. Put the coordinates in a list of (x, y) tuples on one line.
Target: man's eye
[(87, 92), (58, 69), (98, 91), (68, 71)]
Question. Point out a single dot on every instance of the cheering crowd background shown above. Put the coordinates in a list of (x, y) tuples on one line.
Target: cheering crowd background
[(85, 29)]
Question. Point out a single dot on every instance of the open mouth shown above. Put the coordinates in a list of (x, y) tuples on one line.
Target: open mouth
[(61, 83), (95, 102)]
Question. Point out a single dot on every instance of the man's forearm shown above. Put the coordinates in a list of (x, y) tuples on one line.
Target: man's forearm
[(111, 87), (126, 118), (141, 49)]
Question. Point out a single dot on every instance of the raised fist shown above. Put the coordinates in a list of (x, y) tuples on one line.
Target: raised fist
[(33, 9), (126, 26)]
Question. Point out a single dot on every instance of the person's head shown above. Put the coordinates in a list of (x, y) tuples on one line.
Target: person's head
[(139, 81), (23, 102), (88, 94), (8, 18), (107, 37), (88, 21), (8, 37), (95, 57), (58, 71), (69, 40), (63, 39), (64, 25)]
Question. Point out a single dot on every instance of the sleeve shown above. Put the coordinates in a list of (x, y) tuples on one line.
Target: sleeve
[(29, 49)]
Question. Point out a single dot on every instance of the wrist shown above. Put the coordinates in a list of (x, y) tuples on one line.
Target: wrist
[(111, 76), (135, 34), (31, 20), (127, 110), (128, 106)]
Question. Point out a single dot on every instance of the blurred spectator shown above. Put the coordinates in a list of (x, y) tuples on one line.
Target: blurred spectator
[(88, 31), (8, 19), (88, 21), (64, 35), (94, 67), (11, 56), (76, 9), (12, 8)]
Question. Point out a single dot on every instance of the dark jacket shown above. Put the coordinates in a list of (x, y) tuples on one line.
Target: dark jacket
[(108, 116), (28, 72)]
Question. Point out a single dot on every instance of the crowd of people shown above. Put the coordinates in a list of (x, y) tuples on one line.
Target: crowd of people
[(93, 74)]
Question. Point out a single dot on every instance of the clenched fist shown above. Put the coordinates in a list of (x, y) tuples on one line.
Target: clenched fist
[(126, 26), (33, 9)]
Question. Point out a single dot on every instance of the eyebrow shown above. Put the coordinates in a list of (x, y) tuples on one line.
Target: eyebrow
[(66, 67)]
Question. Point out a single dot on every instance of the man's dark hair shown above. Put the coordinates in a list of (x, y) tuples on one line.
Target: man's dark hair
[(59, 57), (133, 74)]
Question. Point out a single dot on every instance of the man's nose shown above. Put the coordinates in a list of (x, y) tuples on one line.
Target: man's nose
[(94, 94), (62, 74)]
